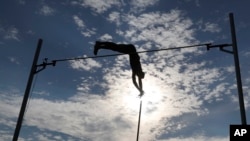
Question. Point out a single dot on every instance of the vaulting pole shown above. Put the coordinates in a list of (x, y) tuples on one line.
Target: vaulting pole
[(139, 122), (237, 70), (27, 91)]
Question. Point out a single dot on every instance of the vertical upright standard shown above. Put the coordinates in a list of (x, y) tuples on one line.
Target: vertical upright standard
[(234, 52), (27, 91), (237, 70)]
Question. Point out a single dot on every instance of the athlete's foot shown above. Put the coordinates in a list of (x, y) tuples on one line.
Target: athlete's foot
[(141, 94), (96, 47)]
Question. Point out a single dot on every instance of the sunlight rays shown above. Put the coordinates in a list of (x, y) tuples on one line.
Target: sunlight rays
[(153, 96)]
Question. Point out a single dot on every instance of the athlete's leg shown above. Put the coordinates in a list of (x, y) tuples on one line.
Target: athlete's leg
[(104, 45), (122, 48)]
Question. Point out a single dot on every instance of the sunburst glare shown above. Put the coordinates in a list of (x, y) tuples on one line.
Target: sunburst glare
[(153, 95)]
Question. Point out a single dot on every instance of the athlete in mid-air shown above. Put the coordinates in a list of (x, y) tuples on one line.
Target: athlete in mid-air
[(133, 58)]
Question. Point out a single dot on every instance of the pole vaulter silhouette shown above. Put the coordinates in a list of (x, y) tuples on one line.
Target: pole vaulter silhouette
[(134, 60)]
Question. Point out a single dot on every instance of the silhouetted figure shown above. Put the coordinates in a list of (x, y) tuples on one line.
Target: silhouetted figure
[(133, 58)]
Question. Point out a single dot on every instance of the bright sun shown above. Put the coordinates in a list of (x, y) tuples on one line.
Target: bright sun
[(153, 94)]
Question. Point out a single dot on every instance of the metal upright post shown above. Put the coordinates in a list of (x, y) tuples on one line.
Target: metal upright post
[(139, 121), (237, 70), (27, 91)]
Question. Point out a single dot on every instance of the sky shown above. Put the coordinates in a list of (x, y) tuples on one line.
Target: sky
[(190, 94)]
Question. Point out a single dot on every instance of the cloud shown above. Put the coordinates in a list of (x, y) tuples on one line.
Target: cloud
[(88, 32), (79, 22), (106, 37), (143, 3), (14, 60), (23, 2), (115, 17), (140, 5), (88, 123), (46, 10), (246, 54), (9, 105), (98, 6), (30, 32), (86, 64), (164, 29), (82, 27), (42, 93), (11, 33), (198, 138), (208, 27), (211, 27)]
